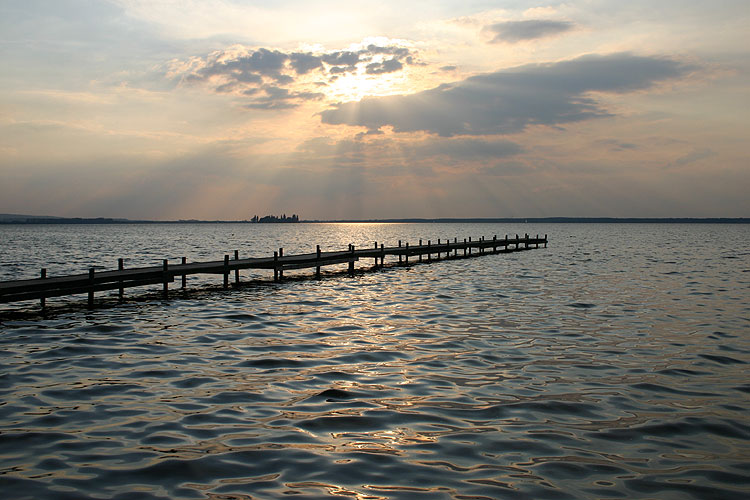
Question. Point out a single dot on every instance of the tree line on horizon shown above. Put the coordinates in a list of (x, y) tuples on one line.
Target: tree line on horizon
[(274, 218)]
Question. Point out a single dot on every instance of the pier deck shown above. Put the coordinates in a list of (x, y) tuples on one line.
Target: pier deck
[(119, 279)]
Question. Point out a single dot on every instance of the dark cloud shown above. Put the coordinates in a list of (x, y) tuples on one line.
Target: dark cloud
[(520, 31), (303, 63), (388, 66), (508, 101), (337, 70), (399, 52), (247, 68), (255, 73), (341, 58)]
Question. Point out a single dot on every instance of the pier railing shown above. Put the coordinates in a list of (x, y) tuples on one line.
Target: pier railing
[(119, 279)]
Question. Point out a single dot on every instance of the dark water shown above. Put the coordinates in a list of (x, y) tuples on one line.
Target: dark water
[(613, 364)]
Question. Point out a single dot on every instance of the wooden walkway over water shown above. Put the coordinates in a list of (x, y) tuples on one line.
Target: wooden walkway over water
[(46, 287)]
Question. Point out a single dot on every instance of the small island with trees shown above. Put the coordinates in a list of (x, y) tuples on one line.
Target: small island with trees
[(274, 218)]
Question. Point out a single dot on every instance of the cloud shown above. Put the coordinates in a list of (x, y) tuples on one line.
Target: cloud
[(278, 98), (303, 63), (465, 149), (258, 74), (509, 101), (617, 145), (696, 155), (389, 66), (521, 31)]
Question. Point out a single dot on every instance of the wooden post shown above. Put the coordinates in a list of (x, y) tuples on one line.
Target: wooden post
[(276, 266), (517, 240), (91, 287), (376, 257), (406, 258), (465, 247), (506, 242), (351, 262), (537, 241), (184, 276), (420, 250), (281, 269), (120, 267), (43, 301), (226, 271), (382, 255), (237, 271), (545, 241), (438, 249), (494, 244), (429, 257), (526, 243), (317, 257), (399, 255), (165, 278), (455, 251), (469, 245)]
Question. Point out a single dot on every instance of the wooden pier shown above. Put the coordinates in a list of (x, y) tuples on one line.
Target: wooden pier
[(119, 279)]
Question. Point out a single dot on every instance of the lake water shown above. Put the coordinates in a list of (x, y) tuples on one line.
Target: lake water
[(612, 364)]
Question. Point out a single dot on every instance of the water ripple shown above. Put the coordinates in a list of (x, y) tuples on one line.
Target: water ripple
[(510, 376)]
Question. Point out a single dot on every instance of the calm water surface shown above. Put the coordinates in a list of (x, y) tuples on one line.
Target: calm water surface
[(612, 364)]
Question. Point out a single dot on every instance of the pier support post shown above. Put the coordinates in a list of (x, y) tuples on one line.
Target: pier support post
[(399, 255), (545, 241), (317, 258), (429, 256), (276, 266), (455, 250), (281, 268), (526, 243), (237, 271), (469, 245), (517, 241), (226, 271), (382, 255), (406, 257), (121, 291), (351, 262), (43, 301), (506, 242), (91, 288), (420, 251), (184, 276), (376, 257), (494, 244), (165, 268)]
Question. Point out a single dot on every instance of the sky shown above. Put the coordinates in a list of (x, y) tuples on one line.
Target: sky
[(224, 109)]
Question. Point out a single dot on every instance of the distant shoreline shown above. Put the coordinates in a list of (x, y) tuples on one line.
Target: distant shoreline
[(36, 220)]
